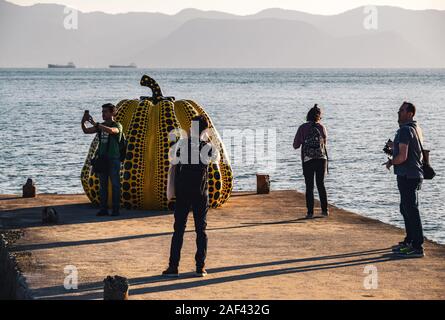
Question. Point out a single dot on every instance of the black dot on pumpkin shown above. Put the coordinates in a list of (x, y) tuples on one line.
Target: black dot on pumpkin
[(127, 165), (126, 196), (134, 132), (218, 185), (93, 193), (217, 175), (90, 182), (216, 195), (129, 156), (127, 175)]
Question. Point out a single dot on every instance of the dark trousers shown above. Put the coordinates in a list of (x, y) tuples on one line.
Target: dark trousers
[(112, 174), (317, 168), (199, 202), (409, 208)]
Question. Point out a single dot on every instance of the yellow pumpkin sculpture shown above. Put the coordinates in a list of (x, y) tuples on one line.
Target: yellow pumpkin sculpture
[(147, 123)]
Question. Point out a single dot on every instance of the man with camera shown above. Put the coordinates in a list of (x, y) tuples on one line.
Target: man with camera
[(406, 153), (107, 163)]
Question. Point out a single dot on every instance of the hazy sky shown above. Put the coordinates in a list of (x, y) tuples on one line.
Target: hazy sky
[(234, 6)]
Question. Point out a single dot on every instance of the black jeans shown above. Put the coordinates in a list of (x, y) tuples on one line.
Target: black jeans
[(200, 205), (112, 174), (409, 208), (317, 168)]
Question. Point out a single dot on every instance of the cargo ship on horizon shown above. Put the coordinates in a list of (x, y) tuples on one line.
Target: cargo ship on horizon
[(131, 65), (69, 65)]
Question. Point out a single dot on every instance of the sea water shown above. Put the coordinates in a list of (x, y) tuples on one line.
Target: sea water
[(41, 137)]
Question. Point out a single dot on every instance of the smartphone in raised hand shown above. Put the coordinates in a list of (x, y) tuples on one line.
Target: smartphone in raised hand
[(86, 116)]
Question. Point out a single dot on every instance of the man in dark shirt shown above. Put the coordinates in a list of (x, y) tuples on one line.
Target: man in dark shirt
[(407, 161), (191, 187)]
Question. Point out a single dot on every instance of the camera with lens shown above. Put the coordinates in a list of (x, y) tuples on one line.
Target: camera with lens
[(387, 149)]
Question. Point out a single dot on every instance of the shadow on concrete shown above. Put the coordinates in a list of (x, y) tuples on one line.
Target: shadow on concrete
[(60, 244), (11, 198), (71, 214), (68, 214), (94, 290), (299, 220), (77, 213)]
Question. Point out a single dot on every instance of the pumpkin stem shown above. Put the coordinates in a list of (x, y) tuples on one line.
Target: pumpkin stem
[(146, 81), (157, 96)]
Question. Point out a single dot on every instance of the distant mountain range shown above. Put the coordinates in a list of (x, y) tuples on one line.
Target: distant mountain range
[(34, 36)]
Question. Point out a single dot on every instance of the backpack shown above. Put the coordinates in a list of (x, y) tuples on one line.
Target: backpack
[(192, 177), (428, 171), (123, 144), (314, 146)]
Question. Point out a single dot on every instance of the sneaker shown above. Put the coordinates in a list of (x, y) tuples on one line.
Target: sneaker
[(102, 212), (401, 245), (201, 272), (325, 213), (410, 252), (309, 216), (170, 272)]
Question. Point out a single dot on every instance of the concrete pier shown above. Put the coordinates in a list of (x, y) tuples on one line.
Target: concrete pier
[(260, 247)]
